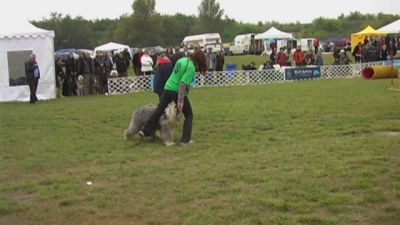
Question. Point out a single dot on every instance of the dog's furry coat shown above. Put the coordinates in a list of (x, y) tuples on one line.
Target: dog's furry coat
[(166, 123)]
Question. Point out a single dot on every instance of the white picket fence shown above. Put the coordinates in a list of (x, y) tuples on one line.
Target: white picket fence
[(234, 78)]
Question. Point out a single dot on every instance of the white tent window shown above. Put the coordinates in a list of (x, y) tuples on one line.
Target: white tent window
[(16, 66)]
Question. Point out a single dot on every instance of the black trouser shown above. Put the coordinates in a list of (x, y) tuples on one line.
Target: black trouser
[(33, 83), (166, 98)]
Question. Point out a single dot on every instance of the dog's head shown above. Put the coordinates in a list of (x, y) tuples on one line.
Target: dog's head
[(80, 78), (113, 74), (171, 115)]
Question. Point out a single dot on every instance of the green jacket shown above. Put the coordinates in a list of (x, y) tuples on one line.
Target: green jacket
[(184, 72)]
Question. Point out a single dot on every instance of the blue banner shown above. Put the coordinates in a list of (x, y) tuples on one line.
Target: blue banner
[(300, 73), (396, 62)]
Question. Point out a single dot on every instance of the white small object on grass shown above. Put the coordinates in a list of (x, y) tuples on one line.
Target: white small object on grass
[(89, 183)]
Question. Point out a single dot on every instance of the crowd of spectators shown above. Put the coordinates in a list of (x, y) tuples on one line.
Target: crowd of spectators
[(96, 70)]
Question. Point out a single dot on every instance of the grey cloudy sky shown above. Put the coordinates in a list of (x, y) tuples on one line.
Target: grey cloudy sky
[(246, 11)]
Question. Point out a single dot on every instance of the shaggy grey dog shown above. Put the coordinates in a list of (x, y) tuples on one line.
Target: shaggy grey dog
[(167, 122)]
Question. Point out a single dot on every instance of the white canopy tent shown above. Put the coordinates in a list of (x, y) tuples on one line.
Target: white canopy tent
[(18, 40), (391, 28), (112, 46), (273, 33)]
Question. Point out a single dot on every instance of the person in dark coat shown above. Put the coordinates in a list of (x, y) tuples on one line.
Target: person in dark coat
[(163, 72), (137, 65), (220, 61), (87, 69), (60, 77), (32, 75), (99, 72), (71, 67), (121, 65)]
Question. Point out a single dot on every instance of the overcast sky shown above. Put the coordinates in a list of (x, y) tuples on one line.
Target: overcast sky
[(247, 11)]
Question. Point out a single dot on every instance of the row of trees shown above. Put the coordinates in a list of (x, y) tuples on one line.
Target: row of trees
[(146, 27)]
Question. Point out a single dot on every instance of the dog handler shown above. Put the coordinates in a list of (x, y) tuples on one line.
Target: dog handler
[(176, 89)]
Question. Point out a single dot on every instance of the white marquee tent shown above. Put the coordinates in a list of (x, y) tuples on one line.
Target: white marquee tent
[(112, 46), (19, 39), (393, 27), (273, 33)]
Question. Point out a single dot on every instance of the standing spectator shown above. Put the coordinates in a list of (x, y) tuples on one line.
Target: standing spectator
[(316, 45), (392, 50), (273, 47), (170, 54), (383, 55), (397, 40), (153, 56), (220, 61), (298, 57), (86, 67), (121, 65), (281, 58), (272, 56), (366, 40), (147, 63), (372, 52), (318, 59), (137, 65), (177, 55), (211, 60), (32, 75), (71, 68), (99, 70), (163, 71), (108, 66), (60, 78), (357, 53), (336, 54), (127, 58)]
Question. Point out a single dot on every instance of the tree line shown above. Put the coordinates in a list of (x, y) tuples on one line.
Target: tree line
[(146, 27)]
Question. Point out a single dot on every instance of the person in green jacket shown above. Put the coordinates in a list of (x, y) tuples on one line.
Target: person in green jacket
[(176, 89)]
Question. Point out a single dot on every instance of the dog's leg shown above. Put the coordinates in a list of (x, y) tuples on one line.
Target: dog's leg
[(166, 135)]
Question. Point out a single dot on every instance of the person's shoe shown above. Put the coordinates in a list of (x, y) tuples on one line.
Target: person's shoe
[(187, 143), (143, 136)]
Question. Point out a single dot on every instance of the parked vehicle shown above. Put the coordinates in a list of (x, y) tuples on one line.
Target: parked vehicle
[(201, 40), (245, 44), (215, 47)]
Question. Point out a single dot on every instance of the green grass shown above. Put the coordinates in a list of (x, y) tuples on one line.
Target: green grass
[(311, 152)]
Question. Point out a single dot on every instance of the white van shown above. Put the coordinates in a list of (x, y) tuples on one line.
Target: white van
[(245, 44), (201, 40)]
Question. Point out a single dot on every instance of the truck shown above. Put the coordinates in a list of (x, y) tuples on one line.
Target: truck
[(202, 41), (245, 44)]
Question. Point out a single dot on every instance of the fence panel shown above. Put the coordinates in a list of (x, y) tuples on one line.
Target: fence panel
[(233, 78)]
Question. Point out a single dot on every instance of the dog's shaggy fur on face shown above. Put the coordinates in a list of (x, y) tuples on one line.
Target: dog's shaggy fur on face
[(169, 120)]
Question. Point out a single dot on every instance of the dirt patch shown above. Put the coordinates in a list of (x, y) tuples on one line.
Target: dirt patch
[(389, 133), (20, 197)]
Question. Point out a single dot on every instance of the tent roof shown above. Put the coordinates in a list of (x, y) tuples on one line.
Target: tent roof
[(393, 27), (111, 46), (22, 29), (369, 31), (273, 33)]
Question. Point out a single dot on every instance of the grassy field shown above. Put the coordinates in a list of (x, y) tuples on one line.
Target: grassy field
[(313, 152)]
